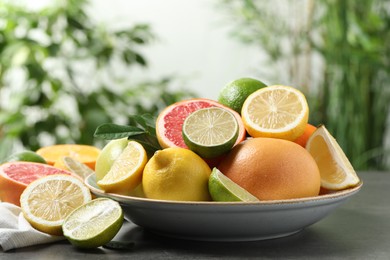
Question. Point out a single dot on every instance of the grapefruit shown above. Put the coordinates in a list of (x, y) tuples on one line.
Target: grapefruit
[(272, 169), (15, 176), (170, 121)]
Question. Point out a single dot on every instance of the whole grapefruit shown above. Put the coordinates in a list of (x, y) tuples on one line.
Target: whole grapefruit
[(272, 169)]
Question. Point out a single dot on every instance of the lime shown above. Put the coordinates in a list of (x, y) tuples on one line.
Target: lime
[(224, 189), (26, 156), (107, 156), (210, 132), (93, 224), (234, 93)]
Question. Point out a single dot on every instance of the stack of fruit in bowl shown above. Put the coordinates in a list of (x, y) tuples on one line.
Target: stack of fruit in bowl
[(253, 144)]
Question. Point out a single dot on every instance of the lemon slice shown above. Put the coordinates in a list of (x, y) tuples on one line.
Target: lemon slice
[(336, 171), (210, 132), (78, 168), (223, 188), (125, 173), (275, 111), (47, 201), (93, 224)]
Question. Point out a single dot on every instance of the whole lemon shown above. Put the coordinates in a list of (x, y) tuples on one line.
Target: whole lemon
[(176, 174)]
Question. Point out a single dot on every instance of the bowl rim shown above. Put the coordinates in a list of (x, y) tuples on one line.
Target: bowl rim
[(334, 195)]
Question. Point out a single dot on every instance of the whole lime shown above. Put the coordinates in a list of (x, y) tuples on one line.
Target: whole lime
[(25, 156), (234, 93)]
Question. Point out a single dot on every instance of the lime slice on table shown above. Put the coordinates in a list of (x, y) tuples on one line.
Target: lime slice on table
[(222, 188), (210, 132), (93, 224)]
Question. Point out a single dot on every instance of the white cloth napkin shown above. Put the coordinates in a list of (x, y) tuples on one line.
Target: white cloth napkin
[(16, 232)]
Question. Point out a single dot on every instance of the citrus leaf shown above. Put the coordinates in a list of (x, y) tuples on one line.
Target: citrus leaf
[(113, 131)]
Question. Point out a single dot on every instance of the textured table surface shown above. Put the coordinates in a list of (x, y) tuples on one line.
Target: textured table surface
[(359, 229)]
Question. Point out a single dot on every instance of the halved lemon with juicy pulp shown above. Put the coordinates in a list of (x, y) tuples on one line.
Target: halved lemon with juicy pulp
[(276, 111), (336, 171), (47, 201), (125, 173)]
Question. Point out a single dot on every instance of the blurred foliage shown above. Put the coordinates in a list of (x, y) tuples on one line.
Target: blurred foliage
[(62, 75), (338, 53)]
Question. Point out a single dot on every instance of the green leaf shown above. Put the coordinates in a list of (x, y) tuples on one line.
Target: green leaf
[(113, 131)]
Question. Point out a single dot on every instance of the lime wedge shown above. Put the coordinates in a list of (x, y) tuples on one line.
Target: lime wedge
[(93, 224), (210, 132), (77, 167), (222, 188)]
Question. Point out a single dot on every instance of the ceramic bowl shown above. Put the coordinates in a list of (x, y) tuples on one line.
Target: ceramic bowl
[(226, 221)]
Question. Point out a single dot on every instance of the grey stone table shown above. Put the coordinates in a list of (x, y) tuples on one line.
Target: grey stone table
[(359, 229)]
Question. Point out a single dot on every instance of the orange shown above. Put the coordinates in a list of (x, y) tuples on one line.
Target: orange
[(302, 140), (83, 153), (15, 176), (272, 169)]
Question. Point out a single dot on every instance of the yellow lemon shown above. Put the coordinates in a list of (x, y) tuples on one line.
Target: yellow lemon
[(176, 174), (336, 171), (275, 111), (47, 201), (125, 173)]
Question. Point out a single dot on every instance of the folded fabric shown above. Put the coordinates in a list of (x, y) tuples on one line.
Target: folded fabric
[(16, 232)]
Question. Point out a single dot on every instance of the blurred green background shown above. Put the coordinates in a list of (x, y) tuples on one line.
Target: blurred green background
[(337, 52)]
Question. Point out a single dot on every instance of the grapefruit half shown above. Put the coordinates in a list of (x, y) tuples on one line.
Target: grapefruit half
[(15, 176), (170, 121)]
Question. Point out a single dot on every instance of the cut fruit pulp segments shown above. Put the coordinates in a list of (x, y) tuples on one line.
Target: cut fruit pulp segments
[(170, 121), (174, 121)]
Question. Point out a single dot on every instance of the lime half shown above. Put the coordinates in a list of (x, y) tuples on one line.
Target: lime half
[(210, 132), (222, 188), (93, 224)]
